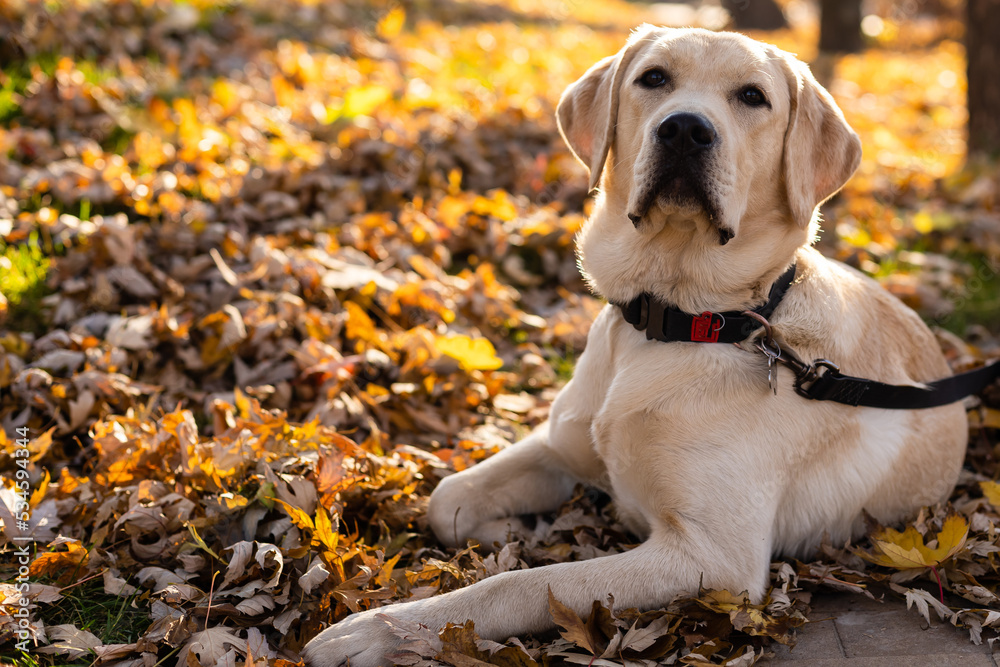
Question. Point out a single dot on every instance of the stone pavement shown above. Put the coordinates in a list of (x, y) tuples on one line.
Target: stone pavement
[(849, 630)]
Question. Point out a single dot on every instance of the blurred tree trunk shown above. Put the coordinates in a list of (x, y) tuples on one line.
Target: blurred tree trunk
[(755, 14), (840, 26), (982, 43)]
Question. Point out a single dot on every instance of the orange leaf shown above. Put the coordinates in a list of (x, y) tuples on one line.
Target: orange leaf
[(59, 564), (359, 325)]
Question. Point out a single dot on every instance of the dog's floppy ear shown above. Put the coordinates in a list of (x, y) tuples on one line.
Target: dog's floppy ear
[(821, 150), (588, 109)]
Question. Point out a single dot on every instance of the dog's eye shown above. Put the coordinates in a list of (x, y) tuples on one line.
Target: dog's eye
[(654, 78), (752, 96)]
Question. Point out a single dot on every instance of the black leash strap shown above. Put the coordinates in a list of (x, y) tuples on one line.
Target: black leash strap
[(668, 324), (823, 381)]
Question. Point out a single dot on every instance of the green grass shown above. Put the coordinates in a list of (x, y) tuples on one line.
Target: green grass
[(16, 77), (23, 270), (118, 140), (93, 73), (113, 619), (975, 302), (563, 363), (980, 302), (14, 82)]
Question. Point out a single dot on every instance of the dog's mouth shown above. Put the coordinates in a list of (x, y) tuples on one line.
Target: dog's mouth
[(680, 191)]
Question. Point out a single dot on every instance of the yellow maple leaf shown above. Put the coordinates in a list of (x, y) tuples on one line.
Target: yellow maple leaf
[(452, 210), (325, 532), (991, 491), (907, 551), (363, 100), (472, 354), (298, 516), (117, 473), (499, 206), (721, 600), (392, 23)]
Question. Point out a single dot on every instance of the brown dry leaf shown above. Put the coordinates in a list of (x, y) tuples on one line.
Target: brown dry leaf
[(573, 629), (69, 640), (210, 645), (640, 639), (459, 646)]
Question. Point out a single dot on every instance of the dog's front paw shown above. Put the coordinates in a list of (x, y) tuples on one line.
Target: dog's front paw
[(360, 640)]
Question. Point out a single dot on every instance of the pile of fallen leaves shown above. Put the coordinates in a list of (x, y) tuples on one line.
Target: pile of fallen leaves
[(270, 270)]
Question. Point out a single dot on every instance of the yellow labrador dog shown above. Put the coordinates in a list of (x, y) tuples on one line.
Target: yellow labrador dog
[(713, 152)]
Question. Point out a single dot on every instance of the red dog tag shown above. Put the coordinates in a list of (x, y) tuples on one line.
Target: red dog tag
[(702, 330)]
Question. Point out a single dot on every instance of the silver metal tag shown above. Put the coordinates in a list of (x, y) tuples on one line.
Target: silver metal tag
[(773, 353), (772, 373)]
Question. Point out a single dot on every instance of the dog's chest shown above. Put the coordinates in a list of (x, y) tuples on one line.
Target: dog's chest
[(691, 382), (668, 413)]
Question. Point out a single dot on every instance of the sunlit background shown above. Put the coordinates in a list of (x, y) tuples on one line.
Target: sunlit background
[(191, 103)]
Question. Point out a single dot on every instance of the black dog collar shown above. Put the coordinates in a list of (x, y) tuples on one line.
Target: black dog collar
[(666, 323), (820, 380)]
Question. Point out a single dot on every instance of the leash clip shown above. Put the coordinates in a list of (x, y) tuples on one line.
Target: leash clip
[(809, 375)]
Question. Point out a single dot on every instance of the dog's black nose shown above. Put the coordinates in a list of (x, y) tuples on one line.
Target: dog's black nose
[(686, 133)]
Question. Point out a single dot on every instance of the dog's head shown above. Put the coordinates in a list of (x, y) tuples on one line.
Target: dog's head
[(708, 130)]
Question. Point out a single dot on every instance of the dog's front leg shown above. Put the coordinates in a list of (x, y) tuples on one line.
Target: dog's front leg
[(538, 473), (482, 502), (514, 603)]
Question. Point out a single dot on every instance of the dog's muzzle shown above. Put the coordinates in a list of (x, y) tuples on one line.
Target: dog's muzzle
[(682, 165)]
